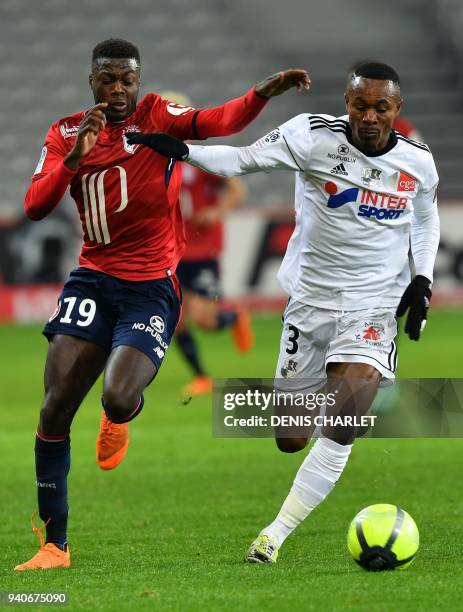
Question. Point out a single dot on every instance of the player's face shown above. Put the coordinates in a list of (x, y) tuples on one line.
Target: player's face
[(116, 81), (372, 106)]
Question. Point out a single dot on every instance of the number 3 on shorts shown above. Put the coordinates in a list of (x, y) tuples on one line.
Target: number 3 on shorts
[(86, 310), (292, 350)]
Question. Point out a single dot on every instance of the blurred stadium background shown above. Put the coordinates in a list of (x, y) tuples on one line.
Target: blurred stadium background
[(207, 50), (202, 499)]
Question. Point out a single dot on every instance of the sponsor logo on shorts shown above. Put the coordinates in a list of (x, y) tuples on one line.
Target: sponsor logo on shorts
[(159, 352), (289, 368), (56, 312), (47, 485), (149, 330), (371, 333), (157, 323)]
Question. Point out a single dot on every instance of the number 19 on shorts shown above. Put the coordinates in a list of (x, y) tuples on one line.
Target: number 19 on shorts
[(83, 315)]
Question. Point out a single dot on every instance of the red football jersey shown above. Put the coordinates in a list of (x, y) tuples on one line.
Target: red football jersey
[(128, 195), (200, 190)]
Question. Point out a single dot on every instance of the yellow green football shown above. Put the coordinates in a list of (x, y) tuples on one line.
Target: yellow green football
[(383, 537)]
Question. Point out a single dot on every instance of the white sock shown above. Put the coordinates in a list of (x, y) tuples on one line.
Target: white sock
[(315, 479)]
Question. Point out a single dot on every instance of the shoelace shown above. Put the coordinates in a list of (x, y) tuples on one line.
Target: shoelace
[(267, 547), (108, 426), (39, 530)]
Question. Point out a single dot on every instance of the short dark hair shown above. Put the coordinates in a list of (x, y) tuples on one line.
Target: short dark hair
[(115, 48), (375, 70)]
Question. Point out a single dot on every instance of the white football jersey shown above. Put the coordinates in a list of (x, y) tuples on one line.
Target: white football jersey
[(356, 214)]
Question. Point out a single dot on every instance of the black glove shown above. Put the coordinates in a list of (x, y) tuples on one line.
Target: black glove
[(166, 145), (416, 298)]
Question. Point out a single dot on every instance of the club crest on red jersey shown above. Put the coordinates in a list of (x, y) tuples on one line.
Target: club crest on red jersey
[(128, 147)]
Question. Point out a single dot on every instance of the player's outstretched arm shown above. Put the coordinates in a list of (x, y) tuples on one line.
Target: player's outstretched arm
[(235, 115), (56, 170), (275, 153), (278, 83), (164, 144)]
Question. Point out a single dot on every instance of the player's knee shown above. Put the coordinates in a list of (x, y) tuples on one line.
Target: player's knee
[(56, 413), (119, 404), (205, 320), (290, 445)]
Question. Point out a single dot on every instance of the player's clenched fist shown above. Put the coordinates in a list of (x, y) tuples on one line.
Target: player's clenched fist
[(280, 82), (94, 120)]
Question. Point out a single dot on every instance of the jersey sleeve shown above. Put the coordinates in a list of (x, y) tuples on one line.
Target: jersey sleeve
[(425, 229), (188, 123), (287, 147), (53, 151), (51, 177)]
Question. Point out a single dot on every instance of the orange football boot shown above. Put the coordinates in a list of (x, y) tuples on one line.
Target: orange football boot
[(201, 385), (243, 336), (112, 443), (49, 555)]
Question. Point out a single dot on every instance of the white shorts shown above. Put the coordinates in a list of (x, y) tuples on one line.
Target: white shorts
[(314, 337)]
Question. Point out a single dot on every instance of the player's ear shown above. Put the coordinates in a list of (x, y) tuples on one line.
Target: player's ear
[(90, 80), (346, 99), (399, 106)]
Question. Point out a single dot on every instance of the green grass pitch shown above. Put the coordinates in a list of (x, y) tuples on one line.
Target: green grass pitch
[(167, 530)]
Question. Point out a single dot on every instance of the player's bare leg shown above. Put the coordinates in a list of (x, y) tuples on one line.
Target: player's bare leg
[(201, 383), (72, 367), (355, 385), (128, 373), (206, 314)]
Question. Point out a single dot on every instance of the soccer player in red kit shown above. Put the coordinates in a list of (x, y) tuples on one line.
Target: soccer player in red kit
[(119, 309)]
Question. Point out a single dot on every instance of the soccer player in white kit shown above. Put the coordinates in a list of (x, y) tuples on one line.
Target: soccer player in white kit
[(364, 196)]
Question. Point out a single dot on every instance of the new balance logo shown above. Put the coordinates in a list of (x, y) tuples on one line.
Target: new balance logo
[(339, 169)]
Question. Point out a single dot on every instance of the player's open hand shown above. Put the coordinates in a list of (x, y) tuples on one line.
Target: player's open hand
[(164, 144), (93, 121), (280, 82), (416, 300)]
